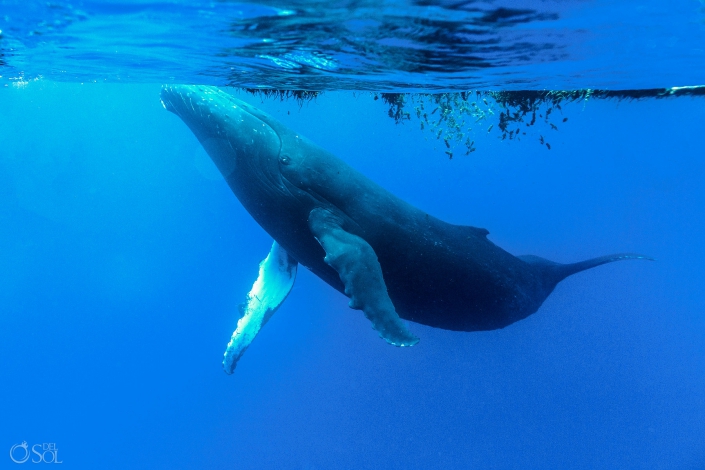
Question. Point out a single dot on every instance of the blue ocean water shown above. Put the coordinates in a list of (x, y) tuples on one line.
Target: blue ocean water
[(389, 45), (124, 256)]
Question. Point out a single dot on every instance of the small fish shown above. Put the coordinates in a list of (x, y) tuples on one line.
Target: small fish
[(553, 126), (541, 140), (450, 154), (548, 146), (565, 119), (490, 128), (447, 143)]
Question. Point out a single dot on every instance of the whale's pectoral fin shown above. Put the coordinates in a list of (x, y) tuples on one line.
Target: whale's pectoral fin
[(276, 278), (357, 265)]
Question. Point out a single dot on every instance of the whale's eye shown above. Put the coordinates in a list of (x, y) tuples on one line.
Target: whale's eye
[(285, 159)]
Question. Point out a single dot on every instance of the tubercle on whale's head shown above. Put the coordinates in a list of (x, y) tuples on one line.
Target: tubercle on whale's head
[(237, 139)]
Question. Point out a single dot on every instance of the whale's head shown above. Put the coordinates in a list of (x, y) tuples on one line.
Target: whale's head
[(276, 173), (238, 137)]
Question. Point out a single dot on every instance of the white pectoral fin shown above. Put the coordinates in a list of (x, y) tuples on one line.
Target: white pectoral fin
[(276, 278)]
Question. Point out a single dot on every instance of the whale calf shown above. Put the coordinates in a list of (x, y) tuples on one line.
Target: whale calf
[(391, 259)]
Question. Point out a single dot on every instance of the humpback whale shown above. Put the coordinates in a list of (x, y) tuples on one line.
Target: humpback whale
[(392, 260)]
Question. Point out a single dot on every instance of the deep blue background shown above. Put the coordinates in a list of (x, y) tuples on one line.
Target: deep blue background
[(123, 256)]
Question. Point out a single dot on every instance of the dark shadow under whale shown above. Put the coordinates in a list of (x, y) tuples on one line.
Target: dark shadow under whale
[(389, 257)]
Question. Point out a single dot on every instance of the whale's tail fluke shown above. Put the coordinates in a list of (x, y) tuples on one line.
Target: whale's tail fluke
[(556, 272), (565, 270)]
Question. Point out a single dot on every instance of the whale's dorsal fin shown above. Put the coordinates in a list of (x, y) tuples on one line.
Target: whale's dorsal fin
[(357, 265), (477, 231), (276, 278)]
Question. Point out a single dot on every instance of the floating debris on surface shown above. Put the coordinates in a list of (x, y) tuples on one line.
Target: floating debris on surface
[(301, 96), (396, 102), (454, 117), (448, 116)]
